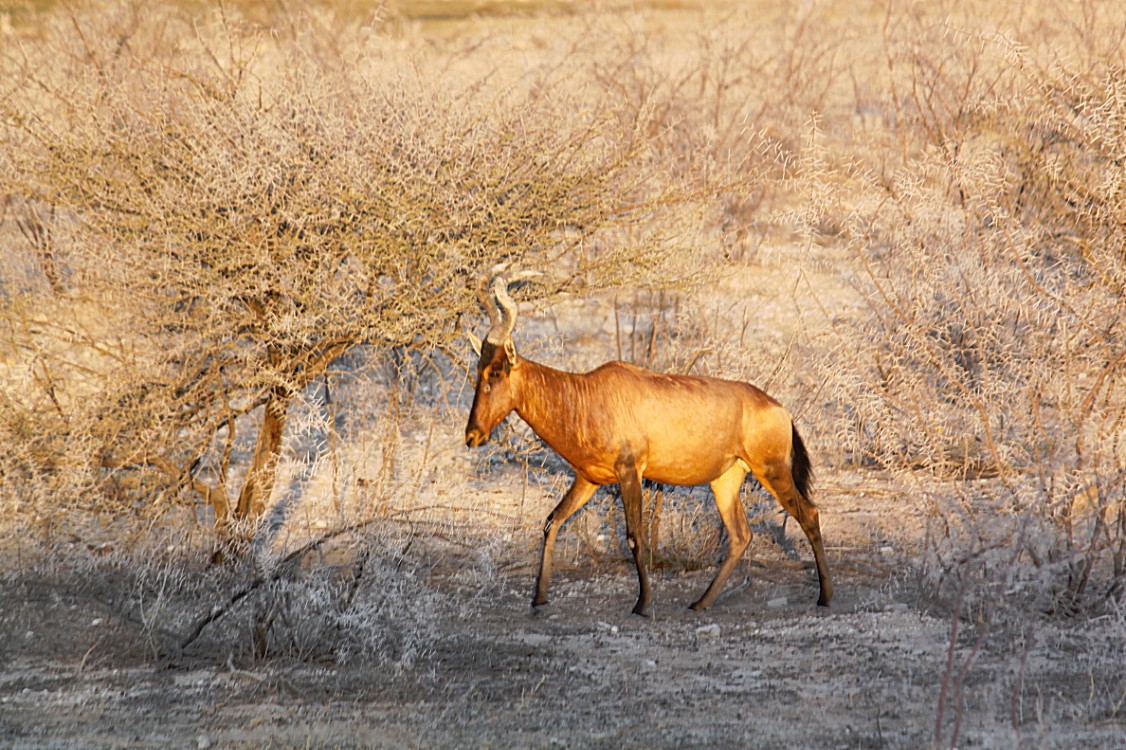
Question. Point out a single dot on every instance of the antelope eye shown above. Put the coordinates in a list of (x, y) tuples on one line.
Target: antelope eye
[(494, 375)]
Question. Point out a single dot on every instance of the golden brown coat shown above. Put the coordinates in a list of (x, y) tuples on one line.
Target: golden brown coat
[(621, 424)]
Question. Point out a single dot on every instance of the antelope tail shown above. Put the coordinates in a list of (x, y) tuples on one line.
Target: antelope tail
[(800, 468)]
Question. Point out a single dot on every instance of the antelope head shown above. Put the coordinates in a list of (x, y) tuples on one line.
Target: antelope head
[(498, 366)]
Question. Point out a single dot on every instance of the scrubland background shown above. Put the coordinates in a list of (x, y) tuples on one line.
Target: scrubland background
[(239, 244)]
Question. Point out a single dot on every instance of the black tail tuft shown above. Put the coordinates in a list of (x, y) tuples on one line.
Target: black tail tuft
[(800, 468)]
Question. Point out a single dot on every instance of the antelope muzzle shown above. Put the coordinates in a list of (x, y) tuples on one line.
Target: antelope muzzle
[(475, 436)]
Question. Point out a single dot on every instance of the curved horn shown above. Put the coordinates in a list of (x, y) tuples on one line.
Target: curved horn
[(486, 300), (504, 310)]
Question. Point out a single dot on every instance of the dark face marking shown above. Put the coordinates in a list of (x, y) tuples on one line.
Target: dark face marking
[(493, 399)]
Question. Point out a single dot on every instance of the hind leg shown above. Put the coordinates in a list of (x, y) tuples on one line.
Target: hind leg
[(726, 490), (776, 478), (629, 479)]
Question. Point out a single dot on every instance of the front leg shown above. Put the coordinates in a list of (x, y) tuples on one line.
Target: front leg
[(629, 478), (577, 496)]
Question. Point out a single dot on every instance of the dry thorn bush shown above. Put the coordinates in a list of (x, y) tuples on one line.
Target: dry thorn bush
[(233, 212), (993, 356), (209, 223)]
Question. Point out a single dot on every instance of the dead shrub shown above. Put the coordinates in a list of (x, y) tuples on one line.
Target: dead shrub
[(239, 210), (993, 355)]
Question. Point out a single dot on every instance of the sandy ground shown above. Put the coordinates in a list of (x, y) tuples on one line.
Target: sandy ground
[(764, 668)]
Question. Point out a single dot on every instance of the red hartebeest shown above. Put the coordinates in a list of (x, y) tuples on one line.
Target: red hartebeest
[(621, 423)]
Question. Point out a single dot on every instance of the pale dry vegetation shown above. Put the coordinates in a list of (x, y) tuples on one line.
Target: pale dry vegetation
[(239, 251)]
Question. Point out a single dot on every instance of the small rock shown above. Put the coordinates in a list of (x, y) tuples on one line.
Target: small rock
[(777, 602), (203, 742), (708, 631)]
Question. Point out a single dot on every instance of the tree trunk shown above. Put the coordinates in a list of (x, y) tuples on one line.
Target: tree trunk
[(260, 477), (263, 470)]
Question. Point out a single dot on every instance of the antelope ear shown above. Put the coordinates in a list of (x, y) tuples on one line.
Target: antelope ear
[(474, 342), (510, 350)]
